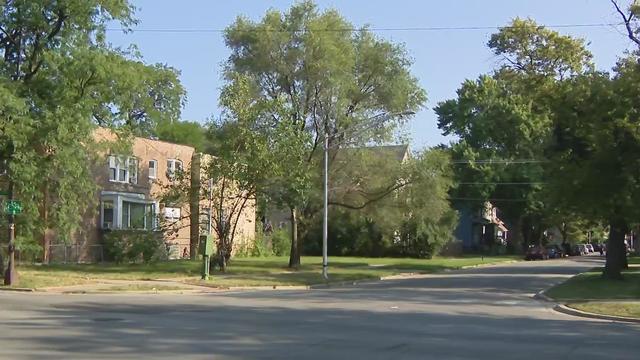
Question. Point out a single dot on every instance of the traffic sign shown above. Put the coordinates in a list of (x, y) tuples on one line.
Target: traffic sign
[(13, 207), (4, 192)]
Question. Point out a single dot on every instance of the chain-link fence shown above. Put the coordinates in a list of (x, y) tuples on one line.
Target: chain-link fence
[(76, 253)]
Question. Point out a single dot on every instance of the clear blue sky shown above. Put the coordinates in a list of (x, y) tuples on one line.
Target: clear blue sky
[(443, 59)]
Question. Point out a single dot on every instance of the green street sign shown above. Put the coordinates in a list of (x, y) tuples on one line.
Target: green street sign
[(13, 207), (4, 193)]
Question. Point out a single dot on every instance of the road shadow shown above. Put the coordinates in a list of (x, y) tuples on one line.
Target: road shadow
[(98, 330)]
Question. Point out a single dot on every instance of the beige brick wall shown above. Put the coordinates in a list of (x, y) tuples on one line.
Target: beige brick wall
[(146, 150)]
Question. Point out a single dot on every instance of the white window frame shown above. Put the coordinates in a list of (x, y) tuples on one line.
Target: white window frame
[(171, 167), (126, 223), (118, 199), (132, 166), (128, 164), (153, 175), (114, 204)]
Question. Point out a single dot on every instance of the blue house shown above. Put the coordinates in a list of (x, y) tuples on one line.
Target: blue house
[(479, 229)]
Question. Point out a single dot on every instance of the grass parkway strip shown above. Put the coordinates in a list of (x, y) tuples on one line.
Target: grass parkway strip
[(591, 293), (242, 272)]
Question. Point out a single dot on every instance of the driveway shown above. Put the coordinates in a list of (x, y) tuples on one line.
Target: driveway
[(482, 313)]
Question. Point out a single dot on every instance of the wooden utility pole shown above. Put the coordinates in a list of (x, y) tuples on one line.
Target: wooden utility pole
[(194, 206)]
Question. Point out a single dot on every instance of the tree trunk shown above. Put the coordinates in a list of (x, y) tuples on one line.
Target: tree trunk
[(294, 257), (222, 261), (194, 207), (616, 253)]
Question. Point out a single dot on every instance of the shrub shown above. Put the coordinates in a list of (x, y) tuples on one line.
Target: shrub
[(280, 242), (134, 245), (260, 247), (421, 237), (29, 249)]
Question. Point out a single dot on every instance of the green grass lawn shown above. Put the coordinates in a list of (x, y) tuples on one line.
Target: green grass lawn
[(591, 286), (243, 271), (626, 309), (590, 292)]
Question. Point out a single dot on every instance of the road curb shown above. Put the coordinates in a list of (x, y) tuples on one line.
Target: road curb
[(148, 292), (345, 283), (541, 295), (17, 289), (487, 264), (267, 287), (564, 309), (575, 312)]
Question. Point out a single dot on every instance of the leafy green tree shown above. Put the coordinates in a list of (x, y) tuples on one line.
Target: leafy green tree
[(428, 221), (505, 116), (61, 78), (183, 132), (329, 82), (245, 149), (415, 220), (596, 134), (130, 94)]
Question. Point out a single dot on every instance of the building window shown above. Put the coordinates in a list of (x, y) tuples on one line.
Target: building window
[(137, 216), (133, 170), (153, 169), (173, 166), (107, 214), (123, 169)]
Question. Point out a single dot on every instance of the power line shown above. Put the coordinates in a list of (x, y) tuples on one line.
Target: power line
[(349, 29)]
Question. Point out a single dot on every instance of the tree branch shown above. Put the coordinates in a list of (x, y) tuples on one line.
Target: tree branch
[(627, 23), (376, 198)]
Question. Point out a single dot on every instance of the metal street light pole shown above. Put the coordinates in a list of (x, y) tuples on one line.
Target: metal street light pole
[(325, 215)]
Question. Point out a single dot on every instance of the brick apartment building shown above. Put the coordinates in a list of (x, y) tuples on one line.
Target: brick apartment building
[(129, 198)]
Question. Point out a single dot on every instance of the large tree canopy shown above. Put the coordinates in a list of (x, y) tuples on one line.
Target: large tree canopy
[(506, 116), (349, 84), (59, 79)]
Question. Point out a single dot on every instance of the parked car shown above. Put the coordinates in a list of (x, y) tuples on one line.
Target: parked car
[(600, 248), (589, 247), (578, 250), (582, 249), (536, 252), (554, 251)]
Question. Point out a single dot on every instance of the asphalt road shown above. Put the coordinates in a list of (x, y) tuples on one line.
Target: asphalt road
[(483, 313)]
